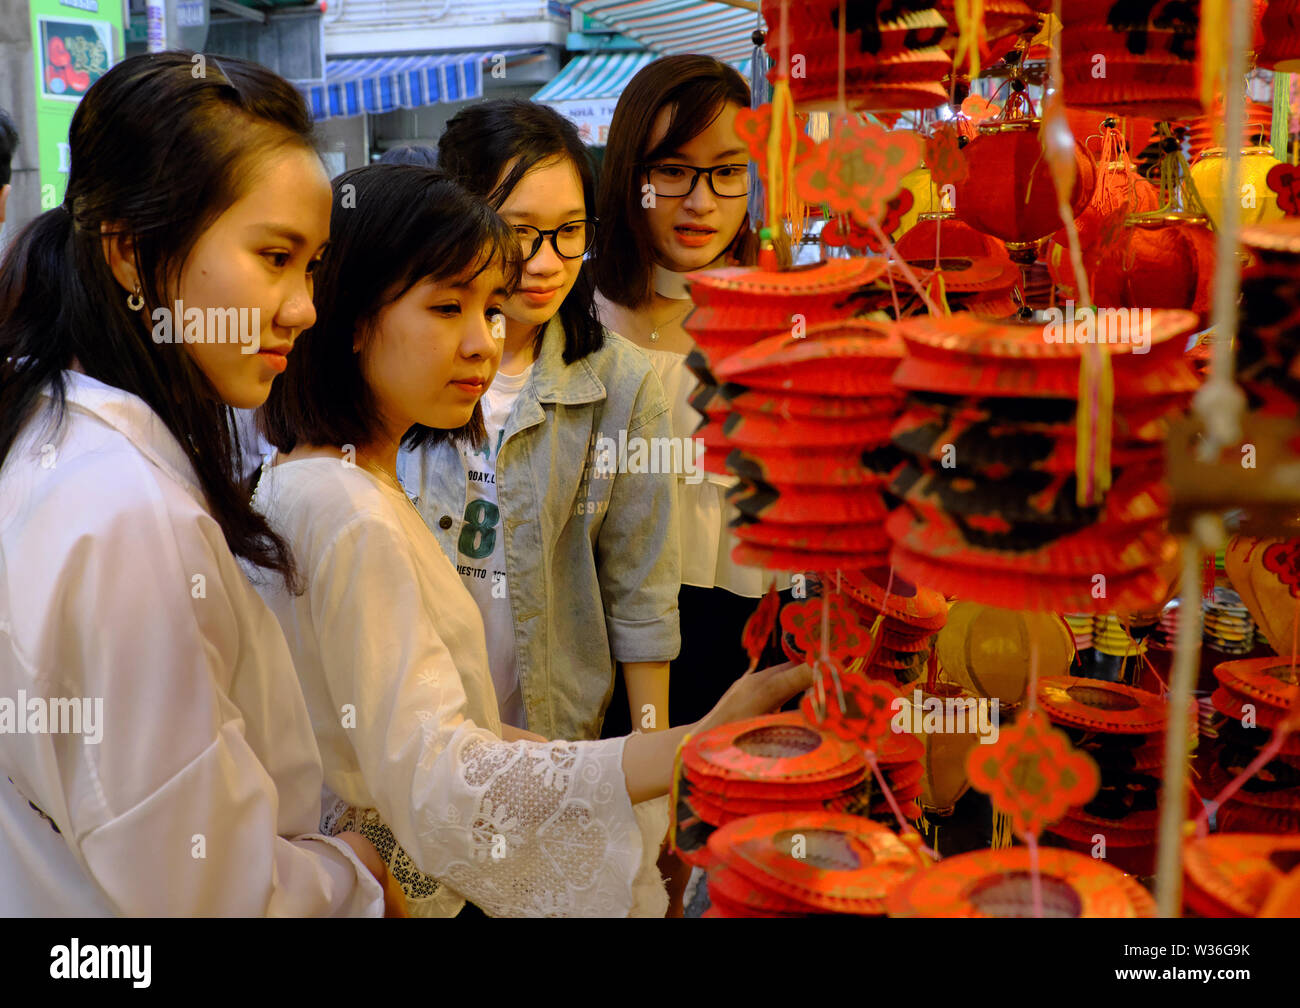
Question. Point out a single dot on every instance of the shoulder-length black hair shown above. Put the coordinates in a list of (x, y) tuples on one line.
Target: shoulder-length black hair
[(697, 88), (158, 152), (392, 226), (478, 144)]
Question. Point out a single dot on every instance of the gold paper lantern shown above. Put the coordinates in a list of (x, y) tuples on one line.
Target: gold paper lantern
[(1257, 203), (987, 650), (945, 779)]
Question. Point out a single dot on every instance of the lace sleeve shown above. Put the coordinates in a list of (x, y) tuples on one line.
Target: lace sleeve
[(527, 829), (543, 829)]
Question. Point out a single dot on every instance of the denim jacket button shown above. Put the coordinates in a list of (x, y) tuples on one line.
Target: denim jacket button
[(444, 522)]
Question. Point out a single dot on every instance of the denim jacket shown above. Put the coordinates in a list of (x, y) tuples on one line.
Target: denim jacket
[(592, 561)]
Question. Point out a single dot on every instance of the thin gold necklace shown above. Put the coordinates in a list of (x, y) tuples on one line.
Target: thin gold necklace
[(654, 333), (392, 478)]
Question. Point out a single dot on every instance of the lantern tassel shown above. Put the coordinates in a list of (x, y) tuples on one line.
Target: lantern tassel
[(970, 33)]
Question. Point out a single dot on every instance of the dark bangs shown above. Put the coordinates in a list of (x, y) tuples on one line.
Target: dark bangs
[(392, 226)]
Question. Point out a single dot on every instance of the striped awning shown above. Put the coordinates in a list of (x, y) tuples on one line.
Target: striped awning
[(605, 75), (596, 75), (587, 90), (679, 26), (387, 83)]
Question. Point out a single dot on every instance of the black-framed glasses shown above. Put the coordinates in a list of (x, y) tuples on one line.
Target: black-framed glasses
[(728, 181), (572, 240)]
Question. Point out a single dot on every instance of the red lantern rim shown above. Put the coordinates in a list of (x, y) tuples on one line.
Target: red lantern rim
[(759, 848), (720, 752), (1134, 711), (953, 887), (1234, 869)]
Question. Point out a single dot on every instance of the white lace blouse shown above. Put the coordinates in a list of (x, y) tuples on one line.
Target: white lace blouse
[(390, 650)]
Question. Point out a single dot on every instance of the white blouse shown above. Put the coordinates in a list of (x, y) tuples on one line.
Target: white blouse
[(201, 794), (704, 513), (390, 649)]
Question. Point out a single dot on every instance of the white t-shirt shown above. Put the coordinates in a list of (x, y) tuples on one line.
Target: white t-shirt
[(481, 546)]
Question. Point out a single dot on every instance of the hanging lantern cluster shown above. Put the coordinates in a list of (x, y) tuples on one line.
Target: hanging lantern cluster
[(1161, 258), (1119, 193), (813, 467), (1132, 58), (991, 496), (1256, 696), (1123, 730), (892, 57), (736, 307), (968, 270), (777, 762)]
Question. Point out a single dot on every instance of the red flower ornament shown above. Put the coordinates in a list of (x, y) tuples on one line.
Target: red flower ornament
[(1284, 179), (1032, 773), (858, 170), (1282, 560), (849, 638)]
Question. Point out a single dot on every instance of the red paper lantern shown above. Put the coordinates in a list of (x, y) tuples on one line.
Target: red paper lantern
[(891, 63), (1120, 192), (1132, 58), (1280, 31), (1164, 262), (1010, 193), (1002, 19)]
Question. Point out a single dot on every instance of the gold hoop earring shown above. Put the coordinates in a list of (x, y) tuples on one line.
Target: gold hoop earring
[(134, 301)]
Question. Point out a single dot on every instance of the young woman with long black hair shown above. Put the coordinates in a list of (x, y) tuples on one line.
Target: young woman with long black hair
[(673, 188), (190, 781), (571, 556), (388, 641)]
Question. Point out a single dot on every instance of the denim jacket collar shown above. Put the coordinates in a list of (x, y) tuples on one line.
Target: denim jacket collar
[(566, 384)]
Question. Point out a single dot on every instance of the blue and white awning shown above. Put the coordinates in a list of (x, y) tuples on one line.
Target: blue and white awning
[(387, 83), (680, 26), (596, 75), (587, 90)]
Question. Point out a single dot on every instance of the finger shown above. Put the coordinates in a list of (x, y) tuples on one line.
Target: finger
[(774, 686)]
